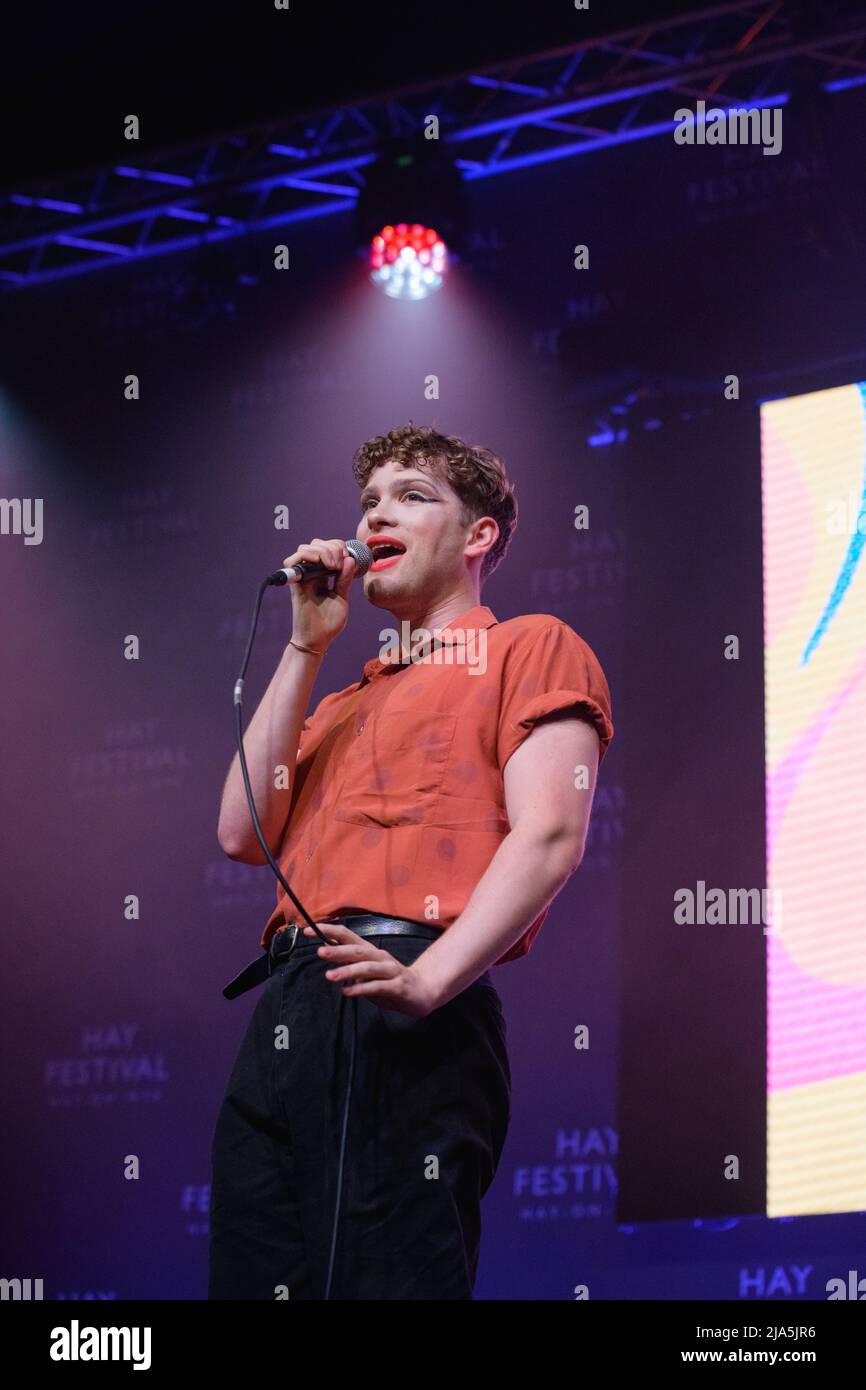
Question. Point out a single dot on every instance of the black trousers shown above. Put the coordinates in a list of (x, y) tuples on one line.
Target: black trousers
[(428, 1116)]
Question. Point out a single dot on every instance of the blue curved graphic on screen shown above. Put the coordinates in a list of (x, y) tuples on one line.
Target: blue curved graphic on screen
[(849, 564)]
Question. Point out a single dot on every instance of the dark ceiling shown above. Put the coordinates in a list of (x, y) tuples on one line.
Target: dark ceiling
[(191, 69)]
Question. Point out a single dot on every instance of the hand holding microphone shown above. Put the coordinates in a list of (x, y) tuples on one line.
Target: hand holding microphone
[(320, 613)]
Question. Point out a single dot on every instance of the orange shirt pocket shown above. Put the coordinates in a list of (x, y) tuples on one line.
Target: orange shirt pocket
[(457, 812), (394, 769)]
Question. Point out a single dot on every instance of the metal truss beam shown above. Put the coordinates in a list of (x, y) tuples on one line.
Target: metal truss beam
[(559, 104)]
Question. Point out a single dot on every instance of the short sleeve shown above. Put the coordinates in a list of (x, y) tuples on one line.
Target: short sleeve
[(305, 734), (323, 714), (551, 670)]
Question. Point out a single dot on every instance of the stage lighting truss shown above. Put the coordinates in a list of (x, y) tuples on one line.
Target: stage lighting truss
[(408, 262), (601, 92)]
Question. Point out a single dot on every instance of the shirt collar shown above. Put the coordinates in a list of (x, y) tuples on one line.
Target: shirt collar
[(474, 618)]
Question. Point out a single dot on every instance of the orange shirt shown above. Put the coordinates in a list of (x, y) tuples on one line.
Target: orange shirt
[(398, 803)]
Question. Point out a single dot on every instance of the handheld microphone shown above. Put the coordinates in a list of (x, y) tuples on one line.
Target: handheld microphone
[(312, 569)]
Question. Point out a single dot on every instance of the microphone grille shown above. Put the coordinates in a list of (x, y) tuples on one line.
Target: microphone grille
[(361, 554)]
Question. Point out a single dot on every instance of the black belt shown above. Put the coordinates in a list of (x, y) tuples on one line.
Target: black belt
[(283, 943)]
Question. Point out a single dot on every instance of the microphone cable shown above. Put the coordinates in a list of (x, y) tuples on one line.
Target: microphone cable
[(239, 736)]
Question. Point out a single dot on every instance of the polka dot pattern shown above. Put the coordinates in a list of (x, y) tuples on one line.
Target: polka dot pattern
[(402, 798)]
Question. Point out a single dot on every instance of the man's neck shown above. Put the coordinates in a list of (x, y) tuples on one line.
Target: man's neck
[(437, 617)]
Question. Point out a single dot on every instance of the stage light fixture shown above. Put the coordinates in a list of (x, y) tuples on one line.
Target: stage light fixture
[(416, 180), (408, 261)]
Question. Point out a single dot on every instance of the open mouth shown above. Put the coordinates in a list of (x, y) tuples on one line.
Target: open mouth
[(386, 555)]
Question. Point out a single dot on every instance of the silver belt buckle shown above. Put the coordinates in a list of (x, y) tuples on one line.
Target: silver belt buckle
[(277, 958)]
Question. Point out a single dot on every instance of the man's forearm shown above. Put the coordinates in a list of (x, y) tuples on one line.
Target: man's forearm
[(272, 738), (525, 874)]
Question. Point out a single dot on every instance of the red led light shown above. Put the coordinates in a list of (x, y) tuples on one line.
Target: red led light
[(407, 261)]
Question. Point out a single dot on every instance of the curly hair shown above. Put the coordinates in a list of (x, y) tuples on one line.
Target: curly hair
[(475, 474)]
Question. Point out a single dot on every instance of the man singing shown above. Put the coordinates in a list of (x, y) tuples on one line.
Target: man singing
[(425, 816)]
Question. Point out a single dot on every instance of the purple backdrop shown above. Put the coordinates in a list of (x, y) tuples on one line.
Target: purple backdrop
[(159, 523)]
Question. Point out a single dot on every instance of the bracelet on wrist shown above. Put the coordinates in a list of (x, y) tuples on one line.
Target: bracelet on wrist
[(312, 650)]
